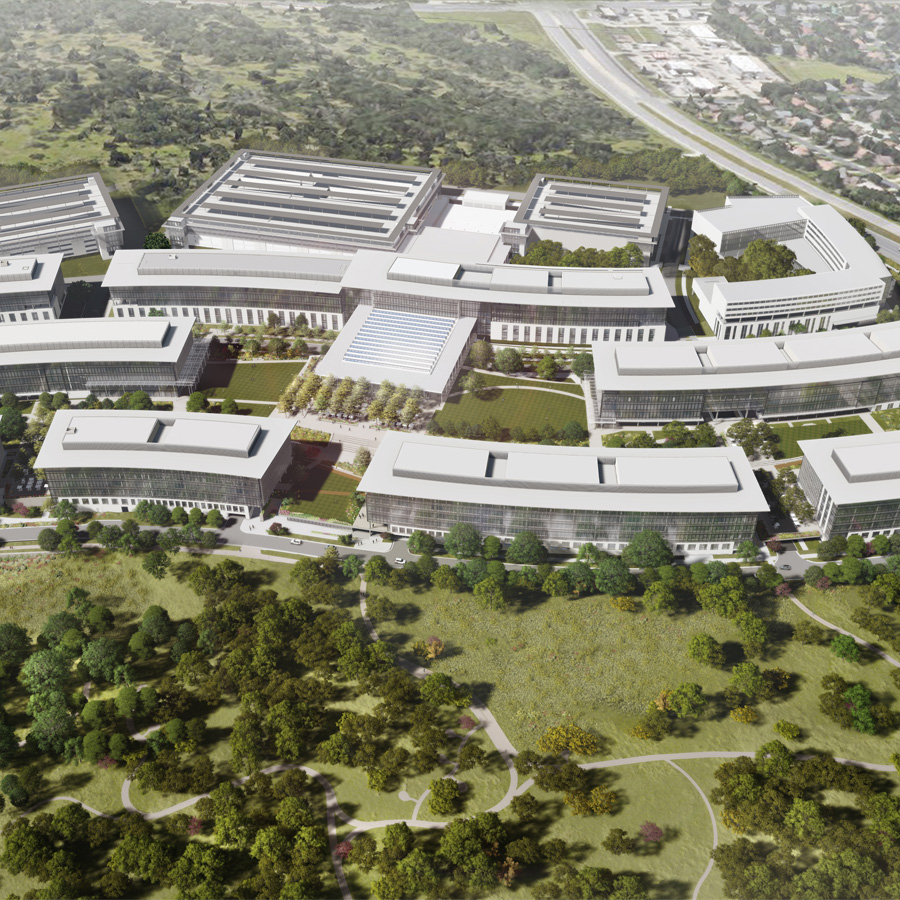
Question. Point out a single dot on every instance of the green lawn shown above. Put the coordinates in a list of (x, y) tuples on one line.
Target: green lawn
[(85, 265), (801, 69), (707, 200), (791, 432), (248, 409), (248, 380), (566, 386), (323, 494), (695, 304), (624, 434), (556, 660), (511, 407), (888, 419)]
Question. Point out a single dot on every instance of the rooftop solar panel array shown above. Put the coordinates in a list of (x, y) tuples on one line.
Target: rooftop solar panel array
[(397, 340)]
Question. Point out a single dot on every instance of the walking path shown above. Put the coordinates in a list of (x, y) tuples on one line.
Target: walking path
[(517, 387)]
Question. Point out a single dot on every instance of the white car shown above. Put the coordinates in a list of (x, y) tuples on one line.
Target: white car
[(296, 541), (399, 560)]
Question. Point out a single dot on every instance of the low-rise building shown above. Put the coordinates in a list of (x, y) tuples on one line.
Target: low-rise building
[(580, 212), (32, 288), (420, 351), (789, 377), (104, 356), (848, 285), (73, 216), (853, 483), (110, 460), (700, 500), (279, 202)]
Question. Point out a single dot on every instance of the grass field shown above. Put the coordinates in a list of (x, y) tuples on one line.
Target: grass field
[(248, 380), (248, 409), (509, 380), (524, 662), (85, 265), (791, 432), (323, 494), (801, 69), (511, 407), (707, 200)]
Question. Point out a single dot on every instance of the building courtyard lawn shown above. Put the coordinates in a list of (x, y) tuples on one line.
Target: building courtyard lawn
[(248, 380), (791, 432), (888, 419), (247, 409), (322, 494), (547, 661), (512, 407), (81, 266)]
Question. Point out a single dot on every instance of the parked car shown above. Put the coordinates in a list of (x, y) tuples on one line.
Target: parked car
[(399, 560), (296, 541), (786, 568)]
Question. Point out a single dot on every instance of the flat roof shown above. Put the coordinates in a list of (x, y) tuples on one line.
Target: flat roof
[(37, 272), (375, 270), (708, 364), (327, 199), (740, 213), (60, 341), (176, 441), (321, 273), (594, 207), (857, 469), (448, 245), (411, 348), (714, 480), (53, 206)]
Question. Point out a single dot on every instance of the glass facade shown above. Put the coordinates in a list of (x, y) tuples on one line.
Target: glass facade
[(249, 298), (553, 525)]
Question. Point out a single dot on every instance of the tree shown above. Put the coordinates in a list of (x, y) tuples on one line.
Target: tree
[(647, 548), (651, 833), (463, 541), (481, 355), (843, 646), (706, 650), (156, 564), (101, 657), (747, 551), (444, 796), (702, 255), (474, 383), (583, 364), (687, 700), (439, 690), (747, 678), (491, 592), (157, 624), (527, 548), (11, 785), (157, 240), (659, 597), (12, 423), (197, 402), (509, 360), (378, 570), (48, 539), (15, 645), (421, 542), (65, 509), (229, 407), (547, 368), (44, 672)]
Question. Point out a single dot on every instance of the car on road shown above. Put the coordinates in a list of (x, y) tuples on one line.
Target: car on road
[(399, 560), (296, 541), (786, 568)]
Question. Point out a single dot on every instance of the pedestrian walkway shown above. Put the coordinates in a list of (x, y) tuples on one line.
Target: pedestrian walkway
[(872, 422)]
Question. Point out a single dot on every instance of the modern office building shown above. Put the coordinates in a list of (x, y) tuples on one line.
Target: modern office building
[(279, 202), (32, 288), (522, 304), (580, 212), (853, 483), (110, 460), (526, 304), (420, 351), (73, 216), (700, 500), (239, 288), (105, 356), (801, 375), (848, 287)]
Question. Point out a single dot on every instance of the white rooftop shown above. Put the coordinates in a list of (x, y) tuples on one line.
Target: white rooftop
[(190, 442), (29, 273), (450, 245), (703, 480), (858, 469)]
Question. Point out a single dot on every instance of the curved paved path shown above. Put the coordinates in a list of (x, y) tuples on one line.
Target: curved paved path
[(712, 819), (834, 627), (517, 387)]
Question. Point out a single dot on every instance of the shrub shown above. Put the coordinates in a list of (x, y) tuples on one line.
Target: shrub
[(568, 737), (626, 604), (788, 730), (744, 714)]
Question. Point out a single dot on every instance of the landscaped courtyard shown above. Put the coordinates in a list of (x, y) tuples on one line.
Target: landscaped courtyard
[(790, 433), (322, 493), (248, 380)]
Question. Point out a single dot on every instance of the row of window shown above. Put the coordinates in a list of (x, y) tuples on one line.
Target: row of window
[(575, 336), (172, 504), (205, 314)]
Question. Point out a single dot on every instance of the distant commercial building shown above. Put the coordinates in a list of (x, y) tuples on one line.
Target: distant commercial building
[(801, 375), (279, 202), (700, 500), (527, 304), (32, 288), (110, 460), (239, 288), (421, 351), (849, 284), (73, 216), (580, 212), (853, 483), (105, 356)]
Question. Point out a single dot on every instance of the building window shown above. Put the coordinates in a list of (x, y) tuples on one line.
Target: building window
[(206, 314), (184, 311), (537, 334), (618, 336), (504, 332), (196, 313), (131, 311), (292, 316), (334, 323), (313, 323), (640, 334), (515, 336), (595, 334), (605, 334), (34, 316), (528, 333), (584, 335), (228, 316), (239, 316), (46, 314), (571, 336), (259, 317), (650, 333), (143, 312)]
